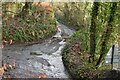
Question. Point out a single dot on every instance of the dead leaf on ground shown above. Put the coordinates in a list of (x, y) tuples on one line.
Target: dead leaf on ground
[(42, 76)]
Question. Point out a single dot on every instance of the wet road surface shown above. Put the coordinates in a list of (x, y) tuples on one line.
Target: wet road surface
[(43, 58)]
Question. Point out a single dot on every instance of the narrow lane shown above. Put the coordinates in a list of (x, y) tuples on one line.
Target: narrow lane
[(34, 60)]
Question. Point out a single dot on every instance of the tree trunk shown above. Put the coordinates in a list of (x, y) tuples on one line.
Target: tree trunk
[(107, 33), (25, 10), (93, 30), (67, 12), (25, 7)]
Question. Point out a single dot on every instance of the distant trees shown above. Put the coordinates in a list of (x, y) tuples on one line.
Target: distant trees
[(73, 13)]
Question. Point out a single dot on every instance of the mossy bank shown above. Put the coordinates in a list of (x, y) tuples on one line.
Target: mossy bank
[(36, 25), (76, 60)]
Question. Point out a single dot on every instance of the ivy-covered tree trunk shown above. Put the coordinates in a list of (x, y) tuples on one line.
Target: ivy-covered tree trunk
[(93, 30), (107, 33), (25, 9)]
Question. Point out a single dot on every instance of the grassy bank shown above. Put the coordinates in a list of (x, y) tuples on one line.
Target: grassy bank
[(29, 25), (76, 59)]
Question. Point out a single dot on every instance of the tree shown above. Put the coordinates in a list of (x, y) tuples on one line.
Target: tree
[(93, 30), (107, 33), (25, 9), (67, 11)]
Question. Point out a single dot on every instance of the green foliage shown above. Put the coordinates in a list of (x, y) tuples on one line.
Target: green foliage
[(82, 36), (81, 67), (27, 32), (73, 14), (36, 26), (102, 23)]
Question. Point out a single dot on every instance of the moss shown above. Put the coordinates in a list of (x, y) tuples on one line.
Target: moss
[(79, 67)]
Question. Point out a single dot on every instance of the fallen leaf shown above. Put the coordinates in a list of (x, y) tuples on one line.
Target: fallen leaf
[(5, 41), (44, 31), (14, 64), (10, 41), (4, 67), (2, 70), (43, 76), (12, 16), (10, 66)]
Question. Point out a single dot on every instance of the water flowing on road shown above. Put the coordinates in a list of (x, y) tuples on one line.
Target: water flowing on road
[(42, 58)]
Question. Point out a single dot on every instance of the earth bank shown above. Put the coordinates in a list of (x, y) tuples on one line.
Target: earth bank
[(76, 60)]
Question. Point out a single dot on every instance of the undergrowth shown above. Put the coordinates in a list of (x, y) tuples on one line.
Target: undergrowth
[(26, 30)]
